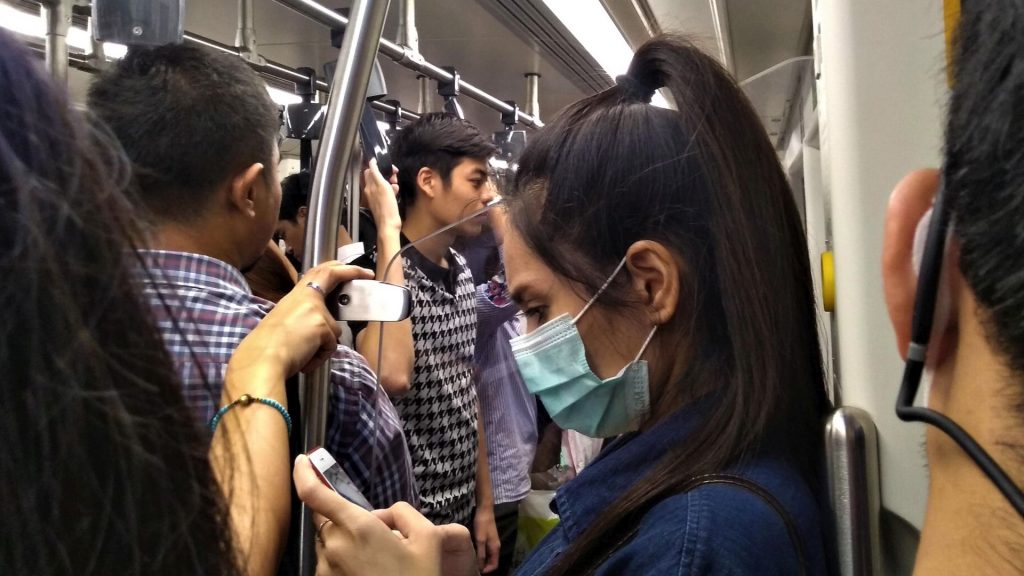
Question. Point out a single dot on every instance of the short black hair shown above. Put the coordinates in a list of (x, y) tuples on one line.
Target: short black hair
[(189, 118), (294, 194), (438, 141), (984, 167)]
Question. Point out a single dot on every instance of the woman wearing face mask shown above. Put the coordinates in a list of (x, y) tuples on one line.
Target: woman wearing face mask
[(661, 263)]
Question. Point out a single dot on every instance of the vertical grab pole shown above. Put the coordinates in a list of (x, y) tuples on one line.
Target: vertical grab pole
[(533, 94), (425, 101), (407, 34), (245, 36), (57, 15), (345, 106)]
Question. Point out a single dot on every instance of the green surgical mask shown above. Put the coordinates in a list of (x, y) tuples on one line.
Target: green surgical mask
[(553, 364)]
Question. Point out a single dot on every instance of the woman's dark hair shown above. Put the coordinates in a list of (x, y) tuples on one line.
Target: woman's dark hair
[(438, 141), (984, 167), (104, 468), (705, 182)]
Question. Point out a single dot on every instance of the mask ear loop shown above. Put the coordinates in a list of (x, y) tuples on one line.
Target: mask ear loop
[(924, 313), (646, 343), (597, 295), (601, 290)]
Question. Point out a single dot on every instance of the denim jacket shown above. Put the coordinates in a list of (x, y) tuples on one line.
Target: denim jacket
[(711, 529)]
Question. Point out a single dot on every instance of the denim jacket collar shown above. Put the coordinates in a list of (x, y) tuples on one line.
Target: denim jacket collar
[(619, 466)]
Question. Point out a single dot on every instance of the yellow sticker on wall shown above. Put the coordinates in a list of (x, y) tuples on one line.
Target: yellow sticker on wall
[(951, 13), (828, 282)]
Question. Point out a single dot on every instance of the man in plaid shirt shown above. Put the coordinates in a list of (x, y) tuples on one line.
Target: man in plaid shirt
[(202, 135)]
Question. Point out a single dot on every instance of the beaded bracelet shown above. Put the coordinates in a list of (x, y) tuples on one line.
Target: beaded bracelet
[(245, 400)]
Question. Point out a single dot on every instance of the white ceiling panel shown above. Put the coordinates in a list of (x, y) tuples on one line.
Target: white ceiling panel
[(748, 36), (694, 19)]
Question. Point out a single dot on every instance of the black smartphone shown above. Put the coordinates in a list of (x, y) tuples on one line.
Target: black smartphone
[(375, 143)]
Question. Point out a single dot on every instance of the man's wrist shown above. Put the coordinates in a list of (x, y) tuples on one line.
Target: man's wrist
[(388, 226)]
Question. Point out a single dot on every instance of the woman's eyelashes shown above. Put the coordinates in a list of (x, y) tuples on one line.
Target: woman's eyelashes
[(536, 313)]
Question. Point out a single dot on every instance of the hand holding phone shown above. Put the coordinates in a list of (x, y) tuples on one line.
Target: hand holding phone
[(375, 143), (334, 476), (370, 301)]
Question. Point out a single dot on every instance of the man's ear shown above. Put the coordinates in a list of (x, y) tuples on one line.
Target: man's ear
[(655, 273), (908, 205), (302, 213), (242, 189), (428, 181)]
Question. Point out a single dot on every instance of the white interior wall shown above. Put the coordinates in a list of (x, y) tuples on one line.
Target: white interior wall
[(801, 161), (816, 244), (881, 99)]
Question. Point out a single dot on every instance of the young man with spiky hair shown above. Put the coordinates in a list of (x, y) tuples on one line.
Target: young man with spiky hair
[(427, 361)]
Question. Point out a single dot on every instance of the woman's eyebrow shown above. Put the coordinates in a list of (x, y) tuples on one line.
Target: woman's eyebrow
[(519, 292), (516, 295)]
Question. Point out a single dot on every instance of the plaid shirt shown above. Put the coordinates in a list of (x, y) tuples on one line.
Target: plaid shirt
[(204, 308)]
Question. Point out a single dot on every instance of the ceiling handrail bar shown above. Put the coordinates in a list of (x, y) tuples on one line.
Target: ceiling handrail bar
[(406, 57), (280, 71), (262, 65)]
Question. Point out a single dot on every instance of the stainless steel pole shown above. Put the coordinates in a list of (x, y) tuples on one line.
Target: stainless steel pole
[(263, 66), (99, 53), (344, 108), (533, 94), (272, 69), (426, 95), (57, 15), (407, 33), (384, 107), (245, 36)]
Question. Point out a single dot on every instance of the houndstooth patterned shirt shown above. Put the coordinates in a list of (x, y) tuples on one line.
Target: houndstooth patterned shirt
[(204, 308), (440, 408)]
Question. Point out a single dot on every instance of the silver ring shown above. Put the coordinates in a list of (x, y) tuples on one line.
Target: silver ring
[(320, 529), (316, 287)]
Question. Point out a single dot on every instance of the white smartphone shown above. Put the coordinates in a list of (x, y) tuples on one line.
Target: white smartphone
[(373, 301), (334, 476)]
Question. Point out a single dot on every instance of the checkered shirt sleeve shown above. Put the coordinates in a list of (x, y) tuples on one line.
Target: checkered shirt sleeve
[(363, 426), (204, 309)]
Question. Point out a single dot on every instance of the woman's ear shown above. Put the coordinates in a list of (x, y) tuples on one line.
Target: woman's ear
[(909, 205), (655, 272)]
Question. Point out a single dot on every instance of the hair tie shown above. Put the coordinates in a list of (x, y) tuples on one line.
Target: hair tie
[(635, 88)]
